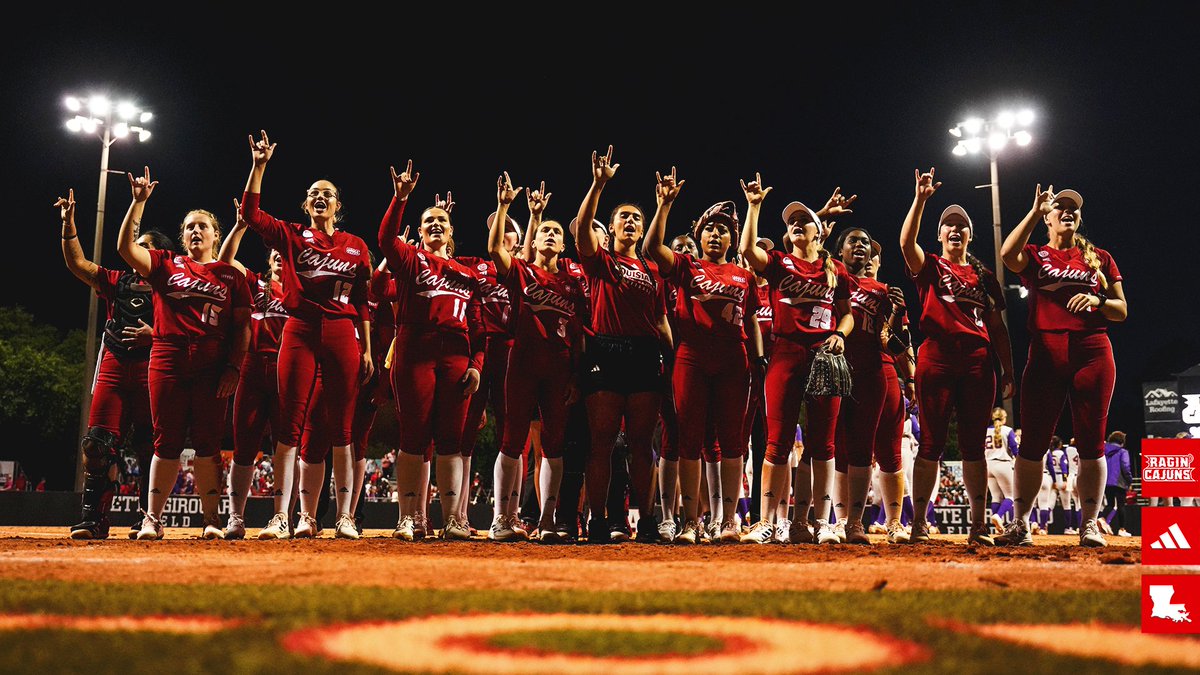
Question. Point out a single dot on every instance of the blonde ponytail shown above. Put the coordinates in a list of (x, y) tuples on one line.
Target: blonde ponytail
[(1090, 257), (827, 265)]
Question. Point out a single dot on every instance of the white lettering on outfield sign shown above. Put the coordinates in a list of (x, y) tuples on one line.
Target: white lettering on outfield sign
[(1170, 468), (180, 510)]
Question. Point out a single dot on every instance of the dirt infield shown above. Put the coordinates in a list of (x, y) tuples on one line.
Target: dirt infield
[(378, 560)]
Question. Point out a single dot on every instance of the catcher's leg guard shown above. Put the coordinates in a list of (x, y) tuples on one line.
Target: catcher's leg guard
[(100, 465)]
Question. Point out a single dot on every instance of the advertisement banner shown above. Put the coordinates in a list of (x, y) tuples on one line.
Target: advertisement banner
[(1171, 535), (1169, 467), (1168, 601)]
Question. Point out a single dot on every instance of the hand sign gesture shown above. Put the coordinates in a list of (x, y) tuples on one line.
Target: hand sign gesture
[(668, 187), (602, 167), (505, 193), (446, 204), (838, 203), (261, 150), (537, 199), (66, 206), (1043, 201), (404, 182), (925, 185), (238, 220), (755, 192), (142, 186)]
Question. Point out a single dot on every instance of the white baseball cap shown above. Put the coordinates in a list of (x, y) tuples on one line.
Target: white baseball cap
[(955, 209), (1071, 195), (575, 224), (509, 223), (764, 243), (791, 210)]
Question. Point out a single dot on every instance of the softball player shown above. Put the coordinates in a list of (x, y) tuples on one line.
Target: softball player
[(1075, 292), (961, 318)]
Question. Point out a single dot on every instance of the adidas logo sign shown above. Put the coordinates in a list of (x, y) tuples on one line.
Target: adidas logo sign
[(1172, 539)]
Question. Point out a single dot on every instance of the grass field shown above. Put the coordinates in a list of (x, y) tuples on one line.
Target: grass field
[(279, 618)]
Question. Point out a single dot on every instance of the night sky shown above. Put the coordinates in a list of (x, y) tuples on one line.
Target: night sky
[(856, 99)]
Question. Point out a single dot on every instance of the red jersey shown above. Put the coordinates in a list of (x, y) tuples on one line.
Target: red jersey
[(495, 307), (804, 300), (268, 315), (546, 304), (954, 299), (1053, 277), (711, 300), (584, 309), (625, 299), (431, 292), (323, 275), (871, 306), (192, 299)]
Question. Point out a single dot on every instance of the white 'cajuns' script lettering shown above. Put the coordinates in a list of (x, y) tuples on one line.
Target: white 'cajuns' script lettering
[(1167, 468), (795, 290), (197, 288), (490, 292), (436, 284), (1067, 276), (266, 304), (313, 263), (956, 290), (542, 298), (870, 304), (714, 288)]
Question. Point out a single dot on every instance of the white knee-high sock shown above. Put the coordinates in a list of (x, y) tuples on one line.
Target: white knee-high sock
[(1027, 482), (343, 478), (712, 475), (464, 491), (312, 481), (822, 487), (450, 476), (892, 487), (549, 480), (925, 476), (502, 473), (975, 480), (731, 488), (1093, 475), (668, 486), (689, 487), (360, 477), (408, 489), (163, 474), (802, 489), (841, 494), (240, 478), (207, 471), (858, 482), (284, 466), (773, 488)]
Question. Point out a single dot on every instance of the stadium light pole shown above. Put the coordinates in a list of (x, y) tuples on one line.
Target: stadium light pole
[(94, 115), (976, 134)]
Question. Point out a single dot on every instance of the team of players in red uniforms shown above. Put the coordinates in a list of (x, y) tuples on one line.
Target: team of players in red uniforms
[(633, 337)]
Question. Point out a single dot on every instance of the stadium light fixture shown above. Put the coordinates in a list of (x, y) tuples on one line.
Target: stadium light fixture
[(99, 120)]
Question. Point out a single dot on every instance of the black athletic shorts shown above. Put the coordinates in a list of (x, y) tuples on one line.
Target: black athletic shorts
[(623, 365)]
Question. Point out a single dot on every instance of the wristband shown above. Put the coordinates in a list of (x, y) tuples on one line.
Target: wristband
[(840, 334), (71, 237), (234, 368)]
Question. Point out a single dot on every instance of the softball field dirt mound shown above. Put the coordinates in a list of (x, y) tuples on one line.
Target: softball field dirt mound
[(378, 560)]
